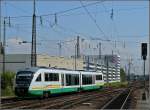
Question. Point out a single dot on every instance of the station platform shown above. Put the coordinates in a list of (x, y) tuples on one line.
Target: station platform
[(143, 104)]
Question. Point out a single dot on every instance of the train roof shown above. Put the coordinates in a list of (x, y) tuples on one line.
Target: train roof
[(32, 69), (35, 69)]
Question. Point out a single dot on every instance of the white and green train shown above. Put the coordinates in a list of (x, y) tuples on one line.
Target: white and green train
[(46, 81)]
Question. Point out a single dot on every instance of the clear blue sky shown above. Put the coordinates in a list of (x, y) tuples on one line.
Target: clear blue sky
[(130, 24)]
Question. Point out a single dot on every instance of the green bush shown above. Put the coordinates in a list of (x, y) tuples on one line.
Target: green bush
[(7, 81), (8, 91), (116, 84), (122, 75)]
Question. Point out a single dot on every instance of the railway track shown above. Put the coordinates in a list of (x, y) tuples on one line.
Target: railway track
[(82, 100), (9, 99), (96, 101), (67, 101), (120, 101)]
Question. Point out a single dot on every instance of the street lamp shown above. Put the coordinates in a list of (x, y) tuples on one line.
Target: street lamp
[(25, 42)]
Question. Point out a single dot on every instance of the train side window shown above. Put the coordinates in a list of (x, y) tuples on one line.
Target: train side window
[(72, 79), (38, 78), (51, 77), (46, 76), (87, 79), (98, 77)]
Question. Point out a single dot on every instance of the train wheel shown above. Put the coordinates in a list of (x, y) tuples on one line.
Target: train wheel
[(46, 94)]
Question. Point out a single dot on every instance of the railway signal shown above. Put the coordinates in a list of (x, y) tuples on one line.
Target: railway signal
[(144, 54), (144, 50)]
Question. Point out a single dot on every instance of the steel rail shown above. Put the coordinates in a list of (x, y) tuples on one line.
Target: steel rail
[(123, 105), (117, 98), (111, 100)]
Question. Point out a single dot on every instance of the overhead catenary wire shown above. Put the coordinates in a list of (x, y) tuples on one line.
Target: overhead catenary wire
[(93, 19), (76, 32), (110, 40), (82, 34), (18, 9), (60, 12), (72, 9)]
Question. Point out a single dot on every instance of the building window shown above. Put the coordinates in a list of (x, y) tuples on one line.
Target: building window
[(51, 77), (98, 77), (72, 79), (86, 79), (38, 78)]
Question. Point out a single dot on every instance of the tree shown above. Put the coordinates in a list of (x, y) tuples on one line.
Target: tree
[(122, 75)]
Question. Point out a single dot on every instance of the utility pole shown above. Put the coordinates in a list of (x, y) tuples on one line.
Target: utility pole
[(112, 53), (125, 70), (107, 79), (75, 57), (100, 50), (4, 44), (33, 48), (129, 67), (0, 20), (59, 46), (149, 55), (77, 51), (88, 65), (78, 46), (0, 32), (144, 74), (100, 55)]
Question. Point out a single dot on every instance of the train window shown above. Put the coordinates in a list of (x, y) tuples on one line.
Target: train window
[(38, 78), (51, 77), (46, 77), (87, 79), (98, 77), (72, 79)]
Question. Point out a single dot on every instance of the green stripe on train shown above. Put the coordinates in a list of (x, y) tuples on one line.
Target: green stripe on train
[(90, 87), (53, 91), (62, 90)]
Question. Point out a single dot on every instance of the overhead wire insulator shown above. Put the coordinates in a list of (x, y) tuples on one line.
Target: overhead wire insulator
[(112, 14), (41, 21), (9, 22), (56, 19)]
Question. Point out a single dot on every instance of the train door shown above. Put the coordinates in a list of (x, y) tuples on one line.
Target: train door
[(62, 80), (37, 84)]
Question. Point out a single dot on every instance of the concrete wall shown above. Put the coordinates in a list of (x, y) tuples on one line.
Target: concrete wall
[(15, 62)]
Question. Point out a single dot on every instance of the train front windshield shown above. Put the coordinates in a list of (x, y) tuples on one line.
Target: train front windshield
[(24, 78)]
